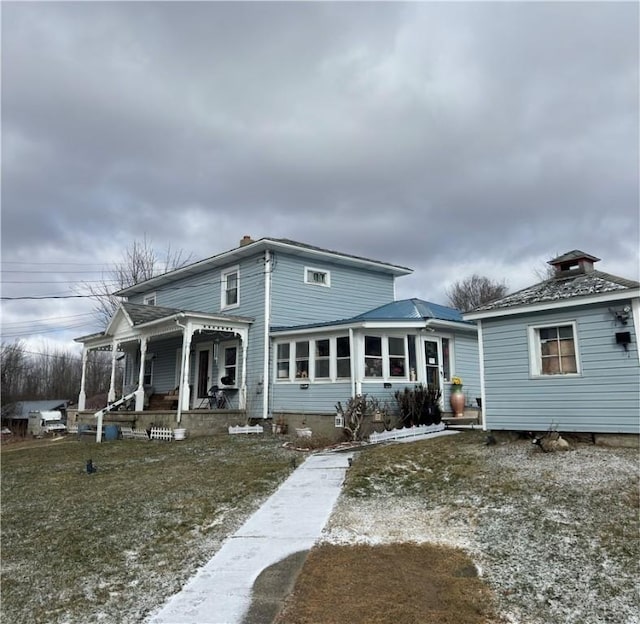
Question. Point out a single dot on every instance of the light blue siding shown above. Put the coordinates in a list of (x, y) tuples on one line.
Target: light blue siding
[(466, 365), (352, 292), (319, 398), (605, 397)]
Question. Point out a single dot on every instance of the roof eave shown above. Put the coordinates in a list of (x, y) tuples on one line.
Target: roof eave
[(234, 255), (543, 306)]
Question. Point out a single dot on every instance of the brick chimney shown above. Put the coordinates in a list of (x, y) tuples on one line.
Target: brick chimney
[(245, 240)]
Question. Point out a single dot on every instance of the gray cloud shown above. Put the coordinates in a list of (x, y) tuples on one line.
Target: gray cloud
[(449, 137)]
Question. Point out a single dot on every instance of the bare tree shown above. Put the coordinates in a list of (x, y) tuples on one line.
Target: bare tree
[(475, 291), (139, 263), (545, 271)]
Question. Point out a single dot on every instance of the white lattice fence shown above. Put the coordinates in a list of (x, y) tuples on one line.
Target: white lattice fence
[(129, 433), (246, 429), (161, 433), (400, 434)]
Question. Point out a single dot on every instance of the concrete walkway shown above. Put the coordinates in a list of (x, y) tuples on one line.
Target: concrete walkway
[(289, 522)]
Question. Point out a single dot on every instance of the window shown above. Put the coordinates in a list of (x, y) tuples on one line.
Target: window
[(282, 357), (231, 288), (316, 360), (372, 356), (322, 359), (553, 350), (302, 359), (149, 300), (230, 355), (385, 356), (343, 357), (397, 358), (147, 378), (317, 277), (446, 359)]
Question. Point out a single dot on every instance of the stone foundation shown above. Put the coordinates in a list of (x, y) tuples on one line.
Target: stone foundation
[(196, 422)]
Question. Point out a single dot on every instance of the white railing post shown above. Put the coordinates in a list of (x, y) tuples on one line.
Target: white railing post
[(82, 397), (140, 390)]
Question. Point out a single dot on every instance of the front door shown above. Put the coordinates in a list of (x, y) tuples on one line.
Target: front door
[(432, 361)]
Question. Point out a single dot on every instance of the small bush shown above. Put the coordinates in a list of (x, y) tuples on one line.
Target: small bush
[(357, 409), (419, 405)]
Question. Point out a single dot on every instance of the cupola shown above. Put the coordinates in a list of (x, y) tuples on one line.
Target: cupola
[(573, 263)]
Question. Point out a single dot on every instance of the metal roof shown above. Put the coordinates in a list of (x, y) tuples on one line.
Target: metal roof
[(409, 309), (400, 311)]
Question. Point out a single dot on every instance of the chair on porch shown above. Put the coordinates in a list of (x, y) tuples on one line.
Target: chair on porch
[(217, 398)]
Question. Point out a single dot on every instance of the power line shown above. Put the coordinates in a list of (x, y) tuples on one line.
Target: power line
[(49, 319), (245, 281)]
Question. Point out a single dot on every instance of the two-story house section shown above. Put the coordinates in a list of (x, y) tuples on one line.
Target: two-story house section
[(209, 323)]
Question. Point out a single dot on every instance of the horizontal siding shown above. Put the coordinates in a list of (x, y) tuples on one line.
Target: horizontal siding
[(466, 365), (605, 397), (352, 292), (317, 398)]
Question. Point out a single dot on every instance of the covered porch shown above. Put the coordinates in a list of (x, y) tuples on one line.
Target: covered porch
[(174, 362)]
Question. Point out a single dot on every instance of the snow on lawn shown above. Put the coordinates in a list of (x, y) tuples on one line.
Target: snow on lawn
[(554, 534)]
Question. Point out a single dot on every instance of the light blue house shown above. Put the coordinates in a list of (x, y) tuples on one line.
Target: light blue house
[(282, 327), (563, 353)]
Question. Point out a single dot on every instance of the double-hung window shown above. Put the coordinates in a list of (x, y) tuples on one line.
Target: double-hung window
[(373, 356), (302, 359), (282, 360), (553, 350), (322, 364), (343, 357), (230, 288), (397, 358), (230, 361)]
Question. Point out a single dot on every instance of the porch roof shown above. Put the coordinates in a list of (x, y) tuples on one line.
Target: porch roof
[(140, 316)]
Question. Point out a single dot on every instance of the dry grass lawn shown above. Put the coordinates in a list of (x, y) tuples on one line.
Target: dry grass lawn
[(398, 583)]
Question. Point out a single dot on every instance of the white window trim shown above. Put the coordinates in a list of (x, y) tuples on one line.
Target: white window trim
[(386, 373), (235, 270), (148, 299), (535, 357), (221, 350), (333, 360), (309, 270)]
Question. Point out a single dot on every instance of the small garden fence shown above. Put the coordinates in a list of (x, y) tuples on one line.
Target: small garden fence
[(400, 434)]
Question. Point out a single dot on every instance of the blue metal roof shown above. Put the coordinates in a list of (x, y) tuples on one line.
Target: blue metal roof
[(403, 310), (410, 309)]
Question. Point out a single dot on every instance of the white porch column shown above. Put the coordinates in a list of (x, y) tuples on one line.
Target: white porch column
[(140, 391), (242, 399), (184, 393), (111, 397), (82, 397)]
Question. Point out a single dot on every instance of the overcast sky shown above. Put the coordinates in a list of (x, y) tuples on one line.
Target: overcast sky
[(451, 138)]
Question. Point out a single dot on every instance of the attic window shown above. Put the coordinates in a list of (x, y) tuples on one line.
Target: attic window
[(317, 277), (150, 300)]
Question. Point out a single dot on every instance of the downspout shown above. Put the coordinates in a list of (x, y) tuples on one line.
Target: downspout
[(267, 324)]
